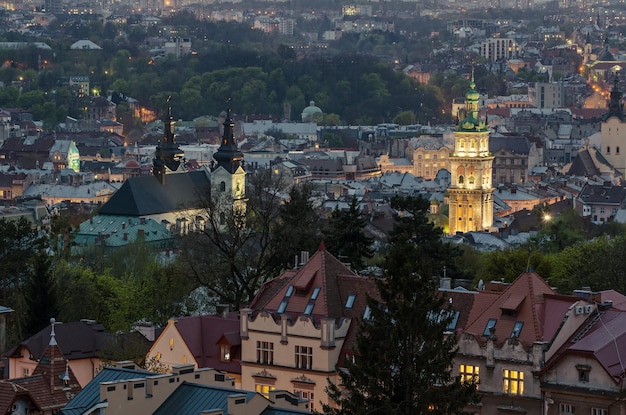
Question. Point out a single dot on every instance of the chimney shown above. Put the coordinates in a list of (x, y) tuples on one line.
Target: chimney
[(140, 233), (222, 309), (445, 283)]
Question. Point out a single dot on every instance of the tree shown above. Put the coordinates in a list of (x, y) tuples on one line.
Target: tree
[(345, 236), (241, 243), (298, 227), (40, 294), (403, 358)]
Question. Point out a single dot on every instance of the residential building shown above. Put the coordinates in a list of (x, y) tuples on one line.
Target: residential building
[(547, 94), (46, 389), (126, 390), (80, 344), (100, 108), (202, 341), (514, 157), (502, 345), (496, 49), (600, 202), (65, 155), (586, 374), (471, 192), (302, 325), (79, 85)]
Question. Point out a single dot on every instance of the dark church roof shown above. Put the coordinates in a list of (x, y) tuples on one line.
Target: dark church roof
[(144, 195)]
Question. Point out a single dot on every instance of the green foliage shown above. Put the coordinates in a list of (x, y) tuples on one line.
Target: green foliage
[(40, 294), (402, 362), (345, 236)]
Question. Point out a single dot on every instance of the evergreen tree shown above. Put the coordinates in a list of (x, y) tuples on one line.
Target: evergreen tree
[(403, 356), (40, 295), (345, 236), (298, 227)]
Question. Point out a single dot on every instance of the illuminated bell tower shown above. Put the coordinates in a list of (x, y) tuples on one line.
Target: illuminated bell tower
[(471, 192)]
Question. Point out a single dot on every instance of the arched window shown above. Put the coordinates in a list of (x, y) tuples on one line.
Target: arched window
[(608, 150), (222, 186), (461, 179), (470, 180)]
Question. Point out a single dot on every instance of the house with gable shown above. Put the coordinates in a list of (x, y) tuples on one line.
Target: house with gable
[(586, 373), (47, 389), (80, 343), (203, 341), (503, 342), (302, 325)]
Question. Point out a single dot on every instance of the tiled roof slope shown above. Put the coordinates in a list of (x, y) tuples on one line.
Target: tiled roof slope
[(336, 282), (201, 335), (77, 340), (603, 337), (144, 195), (523, 300)]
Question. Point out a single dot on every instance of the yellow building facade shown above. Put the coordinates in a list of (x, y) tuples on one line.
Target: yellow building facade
[(470, 194)]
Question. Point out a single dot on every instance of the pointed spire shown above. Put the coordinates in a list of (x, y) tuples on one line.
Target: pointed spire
[(167, 154), (228, 155), (53, 340), (616, 105)]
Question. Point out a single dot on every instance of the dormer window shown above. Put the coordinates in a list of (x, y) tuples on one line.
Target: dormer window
[(225, 355)]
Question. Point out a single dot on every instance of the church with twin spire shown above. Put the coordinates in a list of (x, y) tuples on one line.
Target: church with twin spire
[(172, 199)]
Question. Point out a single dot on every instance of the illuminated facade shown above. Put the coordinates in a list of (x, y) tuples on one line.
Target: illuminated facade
[(471, 190)]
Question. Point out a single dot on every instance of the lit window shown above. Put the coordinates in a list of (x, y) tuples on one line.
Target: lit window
[(225, 353), (491, 326), (566, 409), (513, 382), (158, 356), (171, 343), (265, 353), (264, 389), (304, 357), (350, 300), (184, 359), (469, 373), (517, 328)]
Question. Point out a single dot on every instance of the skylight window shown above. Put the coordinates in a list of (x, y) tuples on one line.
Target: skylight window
[(316, 292), (367, 314), (282, 307), (350, 300), (491, 325), (517, 328), (289, 291), (309, 309), (455, 319)]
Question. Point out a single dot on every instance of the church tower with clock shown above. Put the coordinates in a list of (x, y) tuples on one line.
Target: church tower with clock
[(470, 194)]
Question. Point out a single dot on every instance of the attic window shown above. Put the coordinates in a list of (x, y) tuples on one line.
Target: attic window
[(583, 372), (308, 309), (491, 326), (289, 291), (454, 321), (517, 328), (367, 314), (350, 301), (316, 292), (282, 307)]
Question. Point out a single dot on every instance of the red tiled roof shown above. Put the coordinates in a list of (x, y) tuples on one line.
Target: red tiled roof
[(527, 292), (202, 334)]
